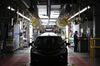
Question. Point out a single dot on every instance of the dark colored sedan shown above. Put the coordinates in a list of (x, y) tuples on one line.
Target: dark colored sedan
[(49, 49)]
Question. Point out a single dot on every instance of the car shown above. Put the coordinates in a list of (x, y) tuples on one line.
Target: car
[(49, 49)]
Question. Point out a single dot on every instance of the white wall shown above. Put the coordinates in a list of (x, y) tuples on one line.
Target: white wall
[(75, 28)]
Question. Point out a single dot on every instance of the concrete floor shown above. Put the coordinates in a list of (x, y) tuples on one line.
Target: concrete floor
[(22, 58)]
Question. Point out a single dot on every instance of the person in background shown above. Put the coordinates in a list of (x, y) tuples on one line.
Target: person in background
[(76, 41)]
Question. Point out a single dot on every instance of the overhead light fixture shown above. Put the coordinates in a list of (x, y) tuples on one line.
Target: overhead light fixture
[(55, 6), (42, 11), (23, 16), (44, 17), (25, 3), (53, 20), (12, 9), (52, 23), (54, 14), (44, 20), (44, 23), (42, 6), (81, 11)]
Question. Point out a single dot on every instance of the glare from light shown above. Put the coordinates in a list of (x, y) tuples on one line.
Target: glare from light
[(81, 11), (8, 7), (81, 30), (31, 33), (12, 9), (67, 33), (23, 16), (20, 25)]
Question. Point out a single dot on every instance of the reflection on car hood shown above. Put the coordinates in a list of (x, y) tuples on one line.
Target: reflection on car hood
[(49, 52), (48, 34)]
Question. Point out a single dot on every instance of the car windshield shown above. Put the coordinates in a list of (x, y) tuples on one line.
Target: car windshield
[(48, 42)]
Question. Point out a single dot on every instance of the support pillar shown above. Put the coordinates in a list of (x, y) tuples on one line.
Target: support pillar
[(97, 27)]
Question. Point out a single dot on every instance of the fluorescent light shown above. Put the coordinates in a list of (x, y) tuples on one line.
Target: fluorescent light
[(42, 11), (55, 11), (54, 14), (44, 20), (42, 6), (12, 9), (56, 6), (44, 23), (23, 16), (67, 34), (52, 20), (52, 23), (81, 11), (81, 30), (41, 16), (31, 33), (8, 7), (25, 4)]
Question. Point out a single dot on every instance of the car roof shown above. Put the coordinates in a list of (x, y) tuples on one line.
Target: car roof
[(48, 34)]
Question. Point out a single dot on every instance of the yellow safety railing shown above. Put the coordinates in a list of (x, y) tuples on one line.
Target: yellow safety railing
[(92, 49)]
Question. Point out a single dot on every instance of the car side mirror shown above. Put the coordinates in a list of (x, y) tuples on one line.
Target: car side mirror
[(31, 44), (66, 43)]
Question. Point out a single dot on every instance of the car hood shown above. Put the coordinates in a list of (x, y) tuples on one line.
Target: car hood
[(49, 51)]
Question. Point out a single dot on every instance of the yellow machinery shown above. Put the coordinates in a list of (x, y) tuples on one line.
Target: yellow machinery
[(62, 22), (92, 49)]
